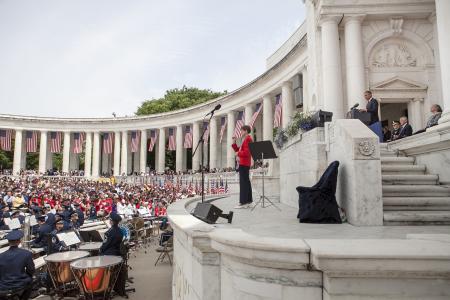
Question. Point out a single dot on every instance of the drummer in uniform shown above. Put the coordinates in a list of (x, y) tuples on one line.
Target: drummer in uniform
[(80, 214), (57, 245), (113, 237), (16, 267), (44, 230)]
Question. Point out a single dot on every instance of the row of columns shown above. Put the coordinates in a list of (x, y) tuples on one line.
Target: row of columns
[(92, 165)]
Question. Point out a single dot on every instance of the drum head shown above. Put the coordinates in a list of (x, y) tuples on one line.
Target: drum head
[(66, 256), (96, 262)]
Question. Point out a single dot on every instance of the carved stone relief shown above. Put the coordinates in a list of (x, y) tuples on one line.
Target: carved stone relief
[(393, 55)]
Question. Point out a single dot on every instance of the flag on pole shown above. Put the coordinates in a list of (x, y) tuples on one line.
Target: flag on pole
[(239, 124), (172, 142), (135, 137), (206, 130), (108, 143), (153, 137), (278, 111), (31, 141), (223, 125), (78, 140), (5, 139), (55, 142), (255, 114), (188, 138)]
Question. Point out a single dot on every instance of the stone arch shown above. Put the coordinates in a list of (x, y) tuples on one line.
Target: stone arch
[(403, 44)]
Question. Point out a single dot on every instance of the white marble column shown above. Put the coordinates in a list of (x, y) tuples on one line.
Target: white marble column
[(443, 26), (179, 149), (267, 116), (116, 165), (161, 151), (231, 124), (248, 113), (66, 152), (333, 99), (88, 155), (195, 139), (124, 154), (143, 155), (354, 60), (96, 155), (213, 143), (43, 152), (287, 98), (415, 113), (17, 162)]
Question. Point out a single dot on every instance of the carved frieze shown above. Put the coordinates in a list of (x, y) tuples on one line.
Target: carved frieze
[(391, 55)]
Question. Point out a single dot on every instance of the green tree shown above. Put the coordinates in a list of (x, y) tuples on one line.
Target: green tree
[(177, 99)]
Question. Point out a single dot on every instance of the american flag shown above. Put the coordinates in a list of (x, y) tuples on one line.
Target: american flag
[(108, 143), (206, 130), (5, 139), (172, 142), (188, 138), (255, 114), (135, 137), (223, 126), (55, 142), (278, 111), (239, 124), (153, 137), (31, 141), (78, 139)]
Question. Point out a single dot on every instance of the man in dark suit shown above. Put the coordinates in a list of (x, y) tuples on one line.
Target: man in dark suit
[(405, 128), (16, 267), (113, 237), (371, 107)]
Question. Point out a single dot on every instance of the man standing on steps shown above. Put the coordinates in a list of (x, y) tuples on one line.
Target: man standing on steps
[(245, 161)]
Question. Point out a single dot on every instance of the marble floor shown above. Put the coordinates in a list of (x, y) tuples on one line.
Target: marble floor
[(270, 222)]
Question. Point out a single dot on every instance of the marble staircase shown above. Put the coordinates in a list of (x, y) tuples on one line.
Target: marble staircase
[(410, 195)]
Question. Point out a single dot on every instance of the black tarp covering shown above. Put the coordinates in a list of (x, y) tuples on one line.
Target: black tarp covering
[(317, 204)]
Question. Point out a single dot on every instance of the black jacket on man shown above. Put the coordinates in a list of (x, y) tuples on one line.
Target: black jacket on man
[(111, 245), (16, 268), (42, 236), (372, 109), (405, 130)]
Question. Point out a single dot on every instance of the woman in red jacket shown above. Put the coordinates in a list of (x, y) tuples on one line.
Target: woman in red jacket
[(245, 161)]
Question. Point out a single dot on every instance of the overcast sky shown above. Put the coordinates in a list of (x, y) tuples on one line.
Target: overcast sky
[(89, 58)]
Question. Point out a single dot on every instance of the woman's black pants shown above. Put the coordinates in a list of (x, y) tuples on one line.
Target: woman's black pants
[(245, 187)]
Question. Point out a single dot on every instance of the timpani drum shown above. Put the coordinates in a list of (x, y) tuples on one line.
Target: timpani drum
[(92, 247), (97, 275), (58, 266)]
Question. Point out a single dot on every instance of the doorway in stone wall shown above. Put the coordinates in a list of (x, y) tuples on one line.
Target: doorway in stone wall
[(392, 112)]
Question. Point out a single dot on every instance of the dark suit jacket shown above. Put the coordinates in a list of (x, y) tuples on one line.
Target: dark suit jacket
[(372, 109), (111, 246), (405, 131), (16, 268)]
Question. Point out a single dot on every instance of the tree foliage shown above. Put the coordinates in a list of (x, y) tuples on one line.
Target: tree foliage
[(177, 99)]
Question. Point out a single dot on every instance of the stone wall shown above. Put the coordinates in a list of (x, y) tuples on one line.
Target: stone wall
[(302, 162)]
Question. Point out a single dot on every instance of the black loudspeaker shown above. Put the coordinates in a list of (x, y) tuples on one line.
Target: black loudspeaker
[(320, 117), (209, 213)]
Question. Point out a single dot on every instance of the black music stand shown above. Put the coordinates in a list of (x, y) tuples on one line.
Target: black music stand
[(261, 151)]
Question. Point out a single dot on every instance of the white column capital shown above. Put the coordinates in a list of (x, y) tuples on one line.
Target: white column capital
[(353, 18), (330, 19), (287, 83)]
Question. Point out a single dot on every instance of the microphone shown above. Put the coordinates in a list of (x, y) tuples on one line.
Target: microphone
[(218, 106), (354, 106)]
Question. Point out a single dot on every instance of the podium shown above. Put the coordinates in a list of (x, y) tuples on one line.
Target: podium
[(360, 115), (260, 151)]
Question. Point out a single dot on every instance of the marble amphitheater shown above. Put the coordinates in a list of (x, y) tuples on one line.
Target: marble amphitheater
[(396, 242)]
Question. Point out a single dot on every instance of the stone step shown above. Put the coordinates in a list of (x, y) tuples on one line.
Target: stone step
[(423, 179), (404, 169), (416, 201), (415, 190), (416, 207), (397, 160), (417, 217)]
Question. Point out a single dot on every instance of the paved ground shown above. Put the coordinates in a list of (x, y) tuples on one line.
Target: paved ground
[(271, 222)]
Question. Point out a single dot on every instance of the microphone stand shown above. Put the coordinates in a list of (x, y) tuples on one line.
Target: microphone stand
[(201, 142)]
